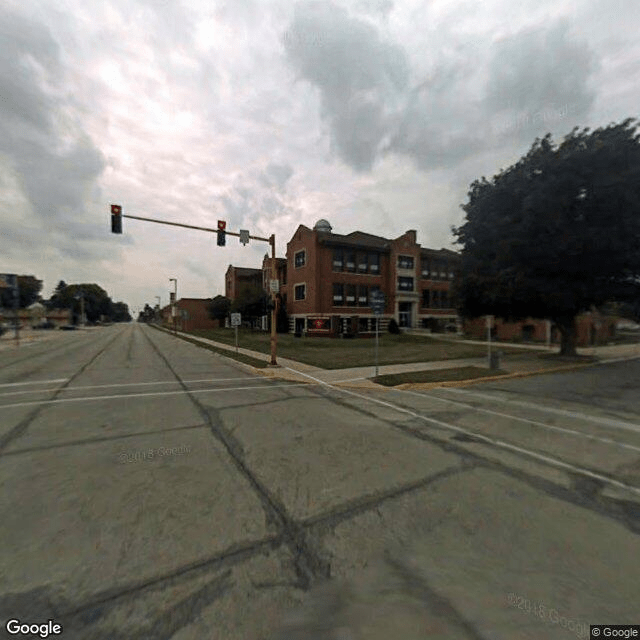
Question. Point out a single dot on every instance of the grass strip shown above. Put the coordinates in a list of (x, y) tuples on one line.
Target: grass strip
[(438, 375)]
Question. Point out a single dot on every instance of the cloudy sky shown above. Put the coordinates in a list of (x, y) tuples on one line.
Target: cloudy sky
[(376, 115)]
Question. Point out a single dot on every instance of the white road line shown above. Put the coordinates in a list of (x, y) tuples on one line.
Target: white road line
[(479, 436), (17, 384), (124, 384), (144, 395), (534, 422), (620, 424)]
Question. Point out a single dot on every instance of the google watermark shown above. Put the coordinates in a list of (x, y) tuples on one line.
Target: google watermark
[(527, 119), (127, 457), (18, 628), (546, 614)]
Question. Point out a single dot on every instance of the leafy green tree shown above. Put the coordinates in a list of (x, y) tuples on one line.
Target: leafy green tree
[(250, 302), (219, 307), (556, 234), (120, 312), (29, 288)]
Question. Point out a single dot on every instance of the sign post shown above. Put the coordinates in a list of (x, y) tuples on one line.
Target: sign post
[(489, 322), (377, 306), (10, 280), (236, 318)]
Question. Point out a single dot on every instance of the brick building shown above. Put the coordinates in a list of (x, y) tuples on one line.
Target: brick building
[(236, 277), (592, 328), (330, 279), (192, 314)]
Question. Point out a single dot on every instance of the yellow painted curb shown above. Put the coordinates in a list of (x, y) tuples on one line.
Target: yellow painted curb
[(464, 383)]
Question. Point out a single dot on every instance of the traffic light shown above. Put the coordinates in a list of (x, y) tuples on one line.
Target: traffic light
[(222, 240), (116, 218)]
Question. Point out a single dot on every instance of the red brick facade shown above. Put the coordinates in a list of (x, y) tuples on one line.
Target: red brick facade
[(331, 278), (237, 276), (592, 328), (192, 314)]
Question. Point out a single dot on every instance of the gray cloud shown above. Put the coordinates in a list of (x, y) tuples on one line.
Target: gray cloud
[(276, 175), (359, 75), (58, 185), (539, 76)]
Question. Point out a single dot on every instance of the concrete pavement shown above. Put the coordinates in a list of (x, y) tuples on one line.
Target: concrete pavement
[(151, 490)]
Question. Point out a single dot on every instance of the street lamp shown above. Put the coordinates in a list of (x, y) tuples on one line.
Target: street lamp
[(80, 296), (175, 299)]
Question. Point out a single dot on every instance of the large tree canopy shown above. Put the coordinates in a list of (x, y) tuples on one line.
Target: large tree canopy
[(29, 289), (219, 307), (557, 233)]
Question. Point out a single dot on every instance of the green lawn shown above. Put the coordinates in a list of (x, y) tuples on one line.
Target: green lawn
[(439, 375), (339, 353)]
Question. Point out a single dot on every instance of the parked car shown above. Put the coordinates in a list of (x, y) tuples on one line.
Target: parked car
[(47, 324), (69, 327)]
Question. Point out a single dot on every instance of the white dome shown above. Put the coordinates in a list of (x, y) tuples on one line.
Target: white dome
[(322, 225)]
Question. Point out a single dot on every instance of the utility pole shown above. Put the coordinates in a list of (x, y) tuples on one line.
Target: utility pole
[(175, 301), (159, 308)]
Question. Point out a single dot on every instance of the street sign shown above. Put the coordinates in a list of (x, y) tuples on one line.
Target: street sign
[(235, 319), (244, 237), (172, 297), (274, 286), (377, 302)]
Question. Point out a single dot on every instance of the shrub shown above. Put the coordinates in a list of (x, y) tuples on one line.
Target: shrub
[(393, 326)]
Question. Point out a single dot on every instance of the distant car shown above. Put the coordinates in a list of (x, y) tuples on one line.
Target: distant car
[(47, 324), (69, 327)]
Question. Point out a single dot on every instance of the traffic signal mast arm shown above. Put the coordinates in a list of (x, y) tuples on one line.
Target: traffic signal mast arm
[(116, 212), (191, 226)]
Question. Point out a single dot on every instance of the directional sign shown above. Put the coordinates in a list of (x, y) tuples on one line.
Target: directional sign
[(235, 320), (244, 237), (377, 302)]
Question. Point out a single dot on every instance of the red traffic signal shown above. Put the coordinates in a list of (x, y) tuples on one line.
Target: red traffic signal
[(116, 218), (221, 234)]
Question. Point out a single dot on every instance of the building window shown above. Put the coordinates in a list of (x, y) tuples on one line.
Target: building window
[(444, 299), (405, 262), (338, 263), (299, 258), (351, 295), (351, 261), (435, 299), (424, 268), (300, 291), (374, 263), (363, 324), (338, 295), (363, 297), (363, 265), (405, 284), (425, 298), (451, 275)]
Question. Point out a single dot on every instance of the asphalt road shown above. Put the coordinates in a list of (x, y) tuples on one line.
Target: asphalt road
[(150, 489)]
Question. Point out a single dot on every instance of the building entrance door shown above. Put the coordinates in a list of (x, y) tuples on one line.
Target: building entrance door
[(404, 312)]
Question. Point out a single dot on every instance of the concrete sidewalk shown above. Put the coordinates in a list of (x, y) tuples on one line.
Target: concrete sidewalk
[(517, 365)]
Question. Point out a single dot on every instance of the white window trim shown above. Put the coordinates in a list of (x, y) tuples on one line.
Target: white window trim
[(299, 284), (304, 252)]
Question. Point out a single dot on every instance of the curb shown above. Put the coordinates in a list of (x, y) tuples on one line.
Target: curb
[(507, 376)]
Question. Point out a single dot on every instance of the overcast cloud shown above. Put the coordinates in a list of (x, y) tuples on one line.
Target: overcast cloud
[(375, 115)]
